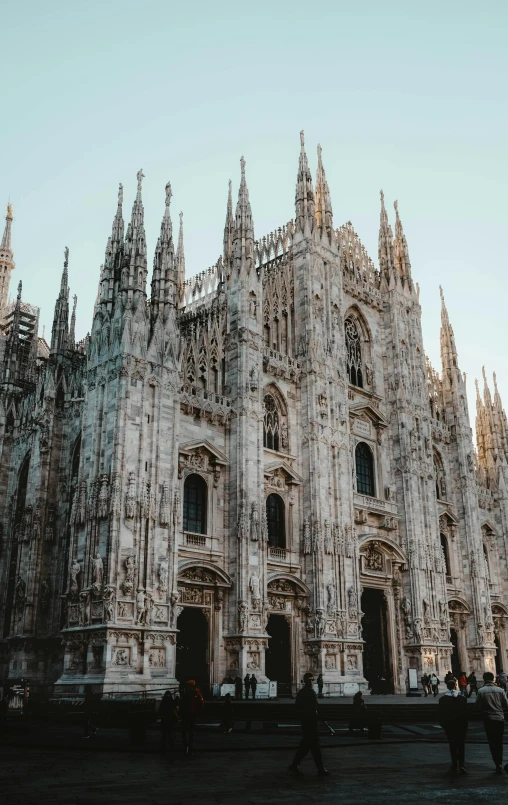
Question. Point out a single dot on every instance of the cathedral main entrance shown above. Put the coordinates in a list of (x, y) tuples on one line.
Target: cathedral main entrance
[(376, 654), (192, 648), (278, 653)]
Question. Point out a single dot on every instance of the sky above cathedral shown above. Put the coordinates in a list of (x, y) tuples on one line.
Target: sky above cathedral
[(406, 97)]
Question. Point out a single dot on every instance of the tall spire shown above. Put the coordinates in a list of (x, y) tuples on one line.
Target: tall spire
[(324, 217), (60, 330), (304, 196), (229, 228), (180, 258), (385, 248), (449, 355), (117, 228), (72, 328), (401, 252), (163, 277), (244, 227), (135, 242), (6, 259)]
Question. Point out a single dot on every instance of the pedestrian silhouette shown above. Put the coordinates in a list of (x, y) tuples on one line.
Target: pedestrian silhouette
[(246, 682), (253, 685), (491, 701), (307, 708), (238, 687), (453, 719)]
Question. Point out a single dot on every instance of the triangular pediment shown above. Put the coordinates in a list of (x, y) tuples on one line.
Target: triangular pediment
[(188, 448), (444, 512), (278, 467), (366, 411)]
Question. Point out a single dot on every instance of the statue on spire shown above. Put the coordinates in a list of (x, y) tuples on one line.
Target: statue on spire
[(140, 176)]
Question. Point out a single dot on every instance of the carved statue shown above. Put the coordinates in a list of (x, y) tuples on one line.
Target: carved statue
[(20, 591), (45, 594), (405, 606), (84, 608), (130, 498), (164, 574), (103, 498), (284, 435), (254, 587), (254, 522), (332, 598), (75, 571), (109, 603), (307, 543), (148, 609), (242, 616), (320, 623), (328, 537), (352, 598), (98, 570), (140, 606), (426, 610)]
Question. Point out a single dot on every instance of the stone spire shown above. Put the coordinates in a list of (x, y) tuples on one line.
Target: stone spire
[(163, 277), (72, 328), (385, 247), (449, 356), (401, 253), (60, 330), (180, 259), (229, 228), (243, 243), (304, 196), (6, 259), (324, 216), (135, 243), (109, 279)]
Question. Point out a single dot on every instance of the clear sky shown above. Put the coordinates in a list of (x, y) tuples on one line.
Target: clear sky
[(404, 96)]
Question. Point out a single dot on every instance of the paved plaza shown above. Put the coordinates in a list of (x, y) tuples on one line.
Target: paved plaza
[(410, 764)]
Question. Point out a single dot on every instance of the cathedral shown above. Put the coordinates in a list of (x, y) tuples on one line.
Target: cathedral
[(253, 470)]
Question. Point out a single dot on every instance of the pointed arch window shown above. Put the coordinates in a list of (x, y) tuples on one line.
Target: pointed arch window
[(444, 547), (364, 470), (275, 521), (353, 352), (195, 493)]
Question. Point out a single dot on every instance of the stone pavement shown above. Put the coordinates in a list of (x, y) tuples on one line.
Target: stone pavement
[(406, 769)]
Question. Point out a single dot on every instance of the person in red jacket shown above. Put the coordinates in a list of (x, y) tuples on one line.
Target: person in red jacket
[(191, 705), (462, 682)]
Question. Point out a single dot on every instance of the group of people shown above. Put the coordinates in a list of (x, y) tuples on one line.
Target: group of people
[(491, 699), (430, 684), (182, 710)]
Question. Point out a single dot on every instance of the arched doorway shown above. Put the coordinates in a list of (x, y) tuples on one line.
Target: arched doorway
[(192, 648), (454, 659), (376, 654), (278, 653)]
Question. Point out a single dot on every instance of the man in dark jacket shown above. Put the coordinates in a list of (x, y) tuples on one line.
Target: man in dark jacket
[(246, 682), (253, 685), (453, 719), (307, 708), (191, 705), (169, 716), (238, 687)]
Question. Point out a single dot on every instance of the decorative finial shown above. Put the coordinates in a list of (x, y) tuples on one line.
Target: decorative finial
[(66, 257), (441, 294), (382, 198), (242, 165), (484, 375), (9, 212), (20, 287), (120, 194), (75, 302), (169, 193), (319, 152), (140, 176), (181, 218), (396, 207), (302, 138), (494, 377)]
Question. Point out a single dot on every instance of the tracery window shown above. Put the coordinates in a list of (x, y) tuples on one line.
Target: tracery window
[(353, 352), (275, 521), (274, 429), (364, 469), (194, 504)]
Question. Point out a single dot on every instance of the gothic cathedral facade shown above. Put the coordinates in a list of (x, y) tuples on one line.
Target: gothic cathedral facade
[(255, 470)]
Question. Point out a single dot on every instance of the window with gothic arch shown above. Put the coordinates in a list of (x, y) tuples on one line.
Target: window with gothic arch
[(364, 470), (353, 352), (275, 431)]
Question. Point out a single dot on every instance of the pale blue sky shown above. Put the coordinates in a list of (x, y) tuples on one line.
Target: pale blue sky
[(404, 96)]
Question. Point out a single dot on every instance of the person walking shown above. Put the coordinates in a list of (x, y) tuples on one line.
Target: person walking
[(462, 682), (473, 684), (307, 708), (191, 705), (453, 719), (89, 726), (491, 700), (320, 685), (238, 688), (425, 684), (246, 682), (434, 683), (359, 720), (253, 685), (168, 715), (227, 714)]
